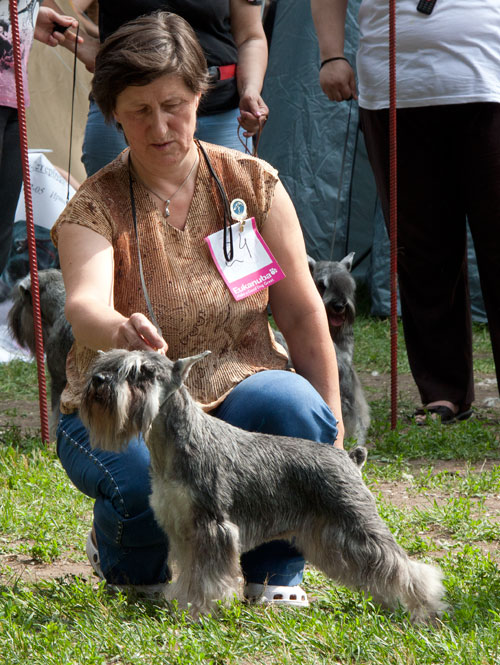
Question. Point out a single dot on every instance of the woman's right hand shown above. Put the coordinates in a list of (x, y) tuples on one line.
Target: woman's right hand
[(337, 80), (137, 333)]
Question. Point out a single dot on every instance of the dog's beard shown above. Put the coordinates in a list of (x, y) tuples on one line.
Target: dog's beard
[(116, 414)]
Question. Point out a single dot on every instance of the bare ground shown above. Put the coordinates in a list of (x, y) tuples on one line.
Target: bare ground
[(26, 415)]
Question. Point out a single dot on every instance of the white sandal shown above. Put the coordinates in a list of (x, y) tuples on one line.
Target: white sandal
[(264, 594), (151, 591)]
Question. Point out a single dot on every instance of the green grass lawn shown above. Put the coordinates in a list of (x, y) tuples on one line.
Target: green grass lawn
[(437, 487)]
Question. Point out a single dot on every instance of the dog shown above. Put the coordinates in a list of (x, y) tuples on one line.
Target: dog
[(337, 288), (56, 331), (218, 491)]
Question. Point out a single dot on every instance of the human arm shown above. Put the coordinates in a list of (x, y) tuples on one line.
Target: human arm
[(250, 39), (48, 17), (88, 270), (80, 7), (297, 306), (336, 78)]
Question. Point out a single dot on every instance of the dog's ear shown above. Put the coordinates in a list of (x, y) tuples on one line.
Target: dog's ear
[(181, 367), (311, 263), (348, 260)]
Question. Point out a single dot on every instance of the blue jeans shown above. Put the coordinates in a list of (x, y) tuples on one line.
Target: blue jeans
[(103, 142), (132, 547)]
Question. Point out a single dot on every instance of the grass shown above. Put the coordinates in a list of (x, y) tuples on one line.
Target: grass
[(437, 488)]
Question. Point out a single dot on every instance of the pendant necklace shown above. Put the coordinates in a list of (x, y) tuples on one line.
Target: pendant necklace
[(166, 202)]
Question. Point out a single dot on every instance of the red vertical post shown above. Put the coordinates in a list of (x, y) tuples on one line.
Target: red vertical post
[(30, 225)]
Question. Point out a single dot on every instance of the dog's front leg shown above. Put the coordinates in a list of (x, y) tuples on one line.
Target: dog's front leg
[(208, 566)]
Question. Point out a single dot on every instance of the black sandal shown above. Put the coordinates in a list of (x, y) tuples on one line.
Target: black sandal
[(444, 413)]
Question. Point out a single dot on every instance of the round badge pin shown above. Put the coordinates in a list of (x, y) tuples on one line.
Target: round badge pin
[(238, 209)]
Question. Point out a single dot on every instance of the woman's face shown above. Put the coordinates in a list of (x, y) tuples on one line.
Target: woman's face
[(159, 120)]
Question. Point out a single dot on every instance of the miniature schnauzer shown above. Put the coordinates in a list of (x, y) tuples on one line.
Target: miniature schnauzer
[(56, 331), (218, 491), (337, 288)]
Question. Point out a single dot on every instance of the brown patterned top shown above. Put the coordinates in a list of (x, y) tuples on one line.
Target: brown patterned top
[(191, 303)]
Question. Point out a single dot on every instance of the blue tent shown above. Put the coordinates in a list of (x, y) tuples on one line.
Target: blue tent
[(320, 153)]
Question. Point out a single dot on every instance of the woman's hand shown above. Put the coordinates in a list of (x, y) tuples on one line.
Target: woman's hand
[(253, 113), (337, 80), (46, 23), (137, 333)]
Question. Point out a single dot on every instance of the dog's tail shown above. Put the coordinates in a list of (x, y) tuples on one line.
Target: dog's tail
[(363, 554)]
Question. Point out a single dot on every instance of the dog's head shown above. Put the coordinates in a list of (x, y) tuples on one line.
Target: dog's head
[(337, 288), (124, 393)]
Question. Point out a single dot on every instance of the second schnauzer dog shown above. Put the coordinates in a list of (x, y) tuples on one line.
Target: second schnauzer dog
[(56, 331), (218, 491), (337, 288)]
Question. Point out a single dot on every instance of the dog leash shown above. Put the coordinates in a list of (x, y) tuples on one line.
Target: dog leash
[(141, 271), (341, 180), (255, 139)]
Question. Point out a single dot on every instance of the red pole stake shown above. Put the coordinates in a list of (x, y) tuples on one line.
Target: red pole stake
[(30, 225), (393, 211)]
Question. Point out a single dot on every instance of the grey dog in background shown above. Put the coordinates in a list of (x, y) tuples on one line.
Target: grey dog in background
[(337, 288), (218, 491), (56, 331)]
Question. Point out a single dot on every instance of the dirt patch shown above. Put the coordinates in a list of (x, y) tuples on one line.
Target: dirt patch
[(14, 567)]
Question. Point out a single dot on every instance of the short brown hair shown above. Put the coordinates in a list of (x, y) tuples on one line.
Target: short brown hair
[(141, 51)]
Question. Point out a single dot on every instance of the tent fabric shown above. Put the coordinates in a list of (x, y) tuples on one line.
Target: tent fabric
[(320, 153)]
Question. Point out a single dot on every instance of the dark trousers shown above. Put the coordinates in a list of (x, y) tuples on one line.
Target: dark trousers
[(11, 177), (448, 171)]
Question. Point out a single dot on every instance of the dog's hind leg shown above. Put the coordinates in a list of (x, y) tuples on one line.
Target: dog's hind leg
[(208, 566), (360, 552)]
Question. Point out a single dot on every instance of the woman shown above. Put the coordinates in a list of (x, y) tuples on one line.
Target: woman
[(230, 32), (150, 76)]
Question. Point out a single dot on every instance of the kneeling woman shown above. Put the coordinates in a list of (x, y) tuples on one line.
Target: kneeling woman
[(132, 249)]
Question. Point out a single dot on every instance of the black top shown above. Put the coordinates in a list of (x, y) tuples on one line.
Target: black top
[(211, 22)]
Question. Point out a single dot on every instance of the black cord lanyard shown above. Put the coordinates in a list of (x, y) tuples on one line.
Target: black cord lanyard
[(225, 201), (227, 228)]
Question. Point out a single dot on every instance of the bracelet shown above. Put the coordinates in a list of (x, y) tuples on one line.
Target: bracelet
[(338, 57)]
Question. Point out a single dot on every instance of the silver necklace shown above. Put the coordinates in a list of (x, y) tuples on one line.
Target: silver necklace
[(166, 202)]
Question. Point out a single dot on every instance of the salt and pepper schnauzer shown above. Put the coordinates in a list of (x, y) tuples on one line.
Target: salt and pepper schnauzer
[(337, 288), (218, 491), (56, 331)]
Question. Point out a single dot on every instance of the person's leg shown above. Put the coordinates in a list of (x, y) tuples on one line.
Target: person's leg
[(101, 142), (480, 136), (432, 261), (221, 129), (11, 178), (132, 547), (283, 403)]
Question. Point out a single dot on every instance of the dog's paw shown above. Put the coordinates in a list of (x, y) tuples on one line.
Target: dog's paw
[(358, 456)]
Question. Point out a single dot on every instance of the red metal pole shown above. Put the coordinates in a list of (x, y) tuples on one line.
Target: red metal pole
[(30, 225)]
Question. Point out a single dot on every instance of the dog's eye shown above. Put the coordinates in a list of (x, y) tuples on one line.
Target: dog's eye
[(146, 373), (321, 286)]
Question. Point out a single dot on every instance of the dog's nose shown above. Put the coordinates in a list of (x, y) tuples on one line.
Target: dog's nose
[(339, 307)]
